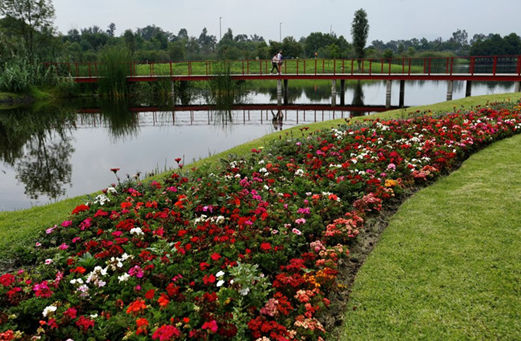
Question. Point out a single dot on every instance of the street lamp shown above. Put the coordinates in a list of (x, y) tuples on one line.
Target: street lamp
[(220, 35), (280, 31)]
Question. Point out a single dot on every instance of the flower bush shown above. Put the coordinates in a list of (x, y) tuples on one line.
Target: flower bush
[(248, 252)]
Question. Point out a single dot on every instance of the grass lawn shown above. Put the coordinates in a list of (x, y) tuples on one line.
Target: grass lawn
[(447, 267)]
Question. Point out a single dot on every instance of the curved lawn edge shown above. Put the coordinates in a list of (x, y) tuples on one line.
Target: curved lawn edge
[(446, 267), (18, 228)]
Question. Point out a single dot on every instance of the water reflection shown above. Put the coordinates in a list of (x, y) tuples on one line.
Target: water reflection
[(36, 142), (358, 99)]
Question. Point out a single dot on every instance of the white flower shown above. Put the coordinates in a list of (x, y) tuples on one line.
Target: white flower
[(299, 172), (244, 291), (93, 316), (112, 190), (49, 309), (124, 277), (219, 274), (48, 261), (101, 199), (261, 162), (263, 170), (220, 283), (137, 231)]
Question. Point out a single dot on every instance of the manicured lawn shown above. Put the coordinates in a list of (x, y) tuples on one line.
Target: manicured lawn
[(447, 267)]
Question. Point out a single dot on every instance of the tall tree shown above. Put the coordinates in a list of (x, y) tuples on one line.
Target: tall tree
[(111, 30), (359, 32), (34, 17)]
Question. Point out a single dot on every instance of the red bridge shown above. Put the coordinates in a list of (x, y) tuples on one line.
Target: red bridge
[(481, 68)]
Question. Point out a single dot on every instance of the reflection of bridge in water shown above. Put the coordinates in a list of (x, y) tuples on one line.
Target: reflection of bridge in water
[(247, 114)]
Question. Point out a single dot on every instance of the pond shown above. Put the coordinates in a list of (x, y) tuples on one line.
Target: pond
[(48, 153)]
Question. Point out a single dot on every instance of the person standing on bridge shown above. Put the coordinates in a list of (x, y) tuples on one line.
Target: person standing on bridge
[(279, 57), (275, 63)]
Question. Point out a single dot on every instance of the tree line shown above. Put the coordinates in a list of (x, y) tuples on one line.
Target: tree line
[(26, 28)]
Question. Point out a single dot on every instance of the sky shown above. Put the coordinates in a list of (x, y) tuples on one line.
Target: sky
[(272, 19)]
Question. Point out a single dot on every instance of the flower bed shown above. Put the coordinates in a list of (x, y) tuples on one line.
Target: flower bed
[(249, 252)]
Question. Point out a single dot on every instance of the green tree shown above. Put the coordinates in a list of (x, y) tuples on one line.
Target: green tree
[(291, 48), (359, 32), (35, 20), (130, 41)]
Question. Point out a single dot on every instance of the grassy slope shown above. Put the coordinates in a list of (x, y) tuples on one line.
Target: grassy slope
[(447, 267), (19, 228)]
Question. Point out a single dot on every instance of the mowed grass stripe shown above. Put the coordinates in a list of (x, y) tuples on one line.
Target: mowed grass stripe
[(448, 267)]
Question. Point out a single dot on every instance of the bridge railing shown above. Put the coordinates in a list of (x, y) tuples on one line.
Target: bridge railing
[(370, 66)]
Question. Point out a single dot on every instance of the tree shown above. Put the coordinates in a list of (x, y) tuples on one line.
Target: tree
[(128, 37), (111, 30), (359, 32), (35, 18)]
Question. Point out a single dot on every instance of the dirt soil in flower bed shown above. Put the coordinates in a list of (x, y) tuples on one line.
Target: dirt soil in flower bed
[(365, 243)]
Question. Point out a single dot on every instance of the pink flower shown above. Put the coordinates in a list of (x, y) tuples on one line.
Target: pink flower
[(166, 332), (63, 246), (296, 231), (212, 325), (136, 271), (300, 221), (67, 223)]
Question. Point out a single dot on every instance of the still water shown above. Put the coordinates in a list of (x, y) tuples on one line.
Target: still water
[(55, 152)]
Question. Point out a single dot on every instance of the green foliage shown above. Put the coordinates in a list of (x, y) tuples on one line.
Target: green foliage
[(359, 32), (19, 74), (114, 70), (34, 20), (495, 45)]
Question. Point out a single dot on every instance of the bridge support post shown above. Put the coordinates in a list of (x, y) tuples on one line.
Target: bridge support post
[(517, 87), (285, 91), (333, 92), (449, 90), (468, 89), (279, 91), (402, 93), (342, 92), (388, 94), (173, 92)]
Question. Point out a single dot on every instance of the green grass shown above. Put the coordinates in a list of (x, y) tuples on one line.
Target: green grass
[(447, 267)]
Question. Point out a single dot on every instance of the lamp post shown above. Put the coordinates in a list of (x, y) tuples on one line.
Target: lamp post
[(280, 31), (220, 35)]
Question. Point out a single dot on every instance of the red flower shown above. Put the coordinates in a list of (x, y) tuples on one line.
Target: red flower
[(84, 323), (265, 246), (150, 294), (212, 326), (7, 279), (80, 208), (142, 324), (165, 333), (70, 313), (114, 170), (215, 256)]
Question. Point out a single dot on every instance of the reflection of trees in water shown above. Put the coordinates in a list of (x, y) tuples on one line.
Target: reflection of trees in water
[(358, 99), (117, 116), (45, 168), (37, 142)]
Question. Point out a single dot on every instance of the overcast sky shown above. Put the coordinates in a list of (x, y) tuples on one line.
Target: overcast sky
[(388, 19)]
